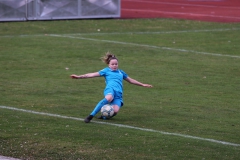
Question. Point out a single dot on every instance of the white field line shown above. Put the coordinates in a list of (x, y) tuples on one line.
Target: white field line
[(181, 13), (123, 33), (123, 126), (119, 33), (185, 4), (162, 32), (8, 158), (144, 45)]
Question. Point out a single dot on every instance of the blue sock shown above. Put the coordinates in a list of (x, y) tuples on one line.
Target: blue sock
[(99, 106)]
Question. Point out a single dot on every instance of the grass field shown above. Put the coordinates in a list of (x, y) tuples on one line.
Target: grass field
[(192, 112)]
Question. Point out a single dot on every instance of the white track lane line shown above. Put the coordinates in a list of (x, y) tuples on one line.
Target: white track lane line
[(123, 126), (182, 13), (185, 4)]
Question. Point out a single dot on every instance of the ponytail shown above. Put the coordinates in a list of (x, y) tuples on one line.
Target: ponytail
[(108, 57)]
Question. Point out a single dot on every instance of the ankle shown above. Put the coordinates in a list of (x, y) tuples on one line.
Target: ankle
[(90, 116)]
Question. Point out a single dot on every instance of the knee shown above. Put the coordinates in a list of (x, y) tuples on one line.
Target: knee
[(109, 98), (116, 109)]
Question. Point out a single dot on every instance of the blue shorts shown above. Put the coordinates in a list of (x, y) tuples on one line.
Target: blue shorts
[(117, 96)]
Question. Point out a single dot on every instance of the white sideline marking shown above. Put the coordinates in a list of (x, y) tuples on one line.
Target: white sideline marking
[(124, 126), (122, 33), (163, 32), (144, 45), (7, 158), (160, 32)]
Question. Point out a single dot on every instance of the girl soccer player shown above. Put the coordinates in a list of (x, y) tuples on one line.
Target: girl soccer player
[(114, 85)]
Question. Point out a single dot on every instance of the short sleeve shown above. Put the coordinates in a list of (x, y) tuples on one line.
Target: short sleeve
[(124, 74), (102, 72)]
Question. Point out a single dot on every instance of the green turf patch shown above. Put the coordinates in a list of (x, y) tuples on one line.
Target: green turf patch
[(193, 66)]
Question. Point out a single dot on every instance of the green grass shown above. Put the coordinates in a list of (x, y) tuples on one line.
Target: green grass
[(194, 68)]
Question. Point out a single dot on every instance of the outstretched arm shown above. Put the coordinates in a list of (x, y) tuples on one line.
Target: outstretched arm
[(133, 81), (88, 75)]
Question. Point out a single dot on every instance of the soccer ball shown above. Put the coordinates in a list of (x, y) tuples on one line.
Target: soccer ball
[(107, 111)]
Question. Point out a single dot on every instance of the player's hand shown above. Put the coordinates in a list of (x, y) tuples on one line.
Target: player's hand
[(74, 76), (147, 85)]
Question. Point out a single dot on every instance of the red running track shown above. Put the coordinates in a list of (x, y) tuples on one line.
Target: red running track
[(202, 10)]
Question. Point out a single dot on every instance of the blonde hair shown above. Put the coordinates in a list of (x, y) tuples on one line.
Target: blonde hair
[(108, 57)]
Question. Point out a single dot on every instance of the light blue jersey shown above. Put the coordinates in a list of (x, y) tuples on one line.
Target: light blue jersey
[(114, 86), (113, 78)]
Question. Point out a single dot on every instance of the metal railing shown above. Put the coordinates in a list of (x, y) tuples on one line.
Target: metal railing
[(24, 10)]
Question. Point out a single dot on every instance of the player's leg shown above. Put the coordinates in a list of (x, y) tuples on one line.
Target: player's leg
[(109, 94), (116, 108), (117, 102), (97, 108)]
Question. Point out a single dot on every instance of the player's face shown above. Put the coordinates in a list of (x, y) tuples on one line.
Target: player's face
[(113, 64)]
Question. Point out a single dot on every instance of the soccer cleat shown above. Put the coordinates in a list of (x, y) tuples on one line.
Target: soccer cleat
[(88, 119)]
